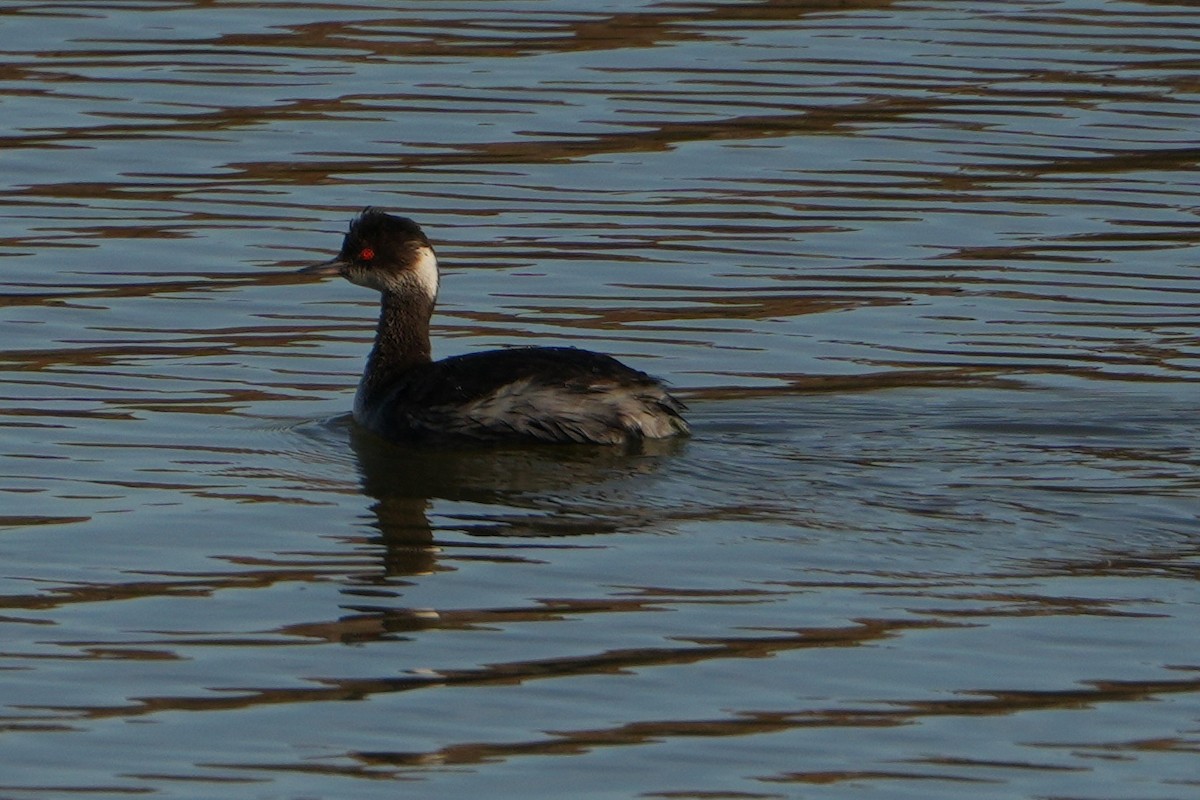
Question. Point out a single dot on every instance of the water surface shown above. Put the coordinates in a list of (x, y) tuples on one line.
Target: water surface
[(923, 271)]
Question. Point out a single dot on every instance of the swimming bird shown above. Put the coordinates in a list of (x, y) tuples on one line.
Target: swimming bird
[(552, 394)]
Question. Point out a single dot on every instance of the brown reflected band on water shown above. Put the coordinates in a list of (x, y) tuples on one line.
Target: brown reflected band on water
[(649, 136), (351, 167), (606, 663), (19, 521), (963, 376), (384, 623), (117, 283), (1182, 563), (190, 585), (513, 33), (749, 723), (540, 149), (572, 312)]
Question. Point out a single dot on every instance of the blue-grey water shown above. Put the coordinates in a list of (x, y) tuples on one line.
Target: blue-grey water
[(925, 272)]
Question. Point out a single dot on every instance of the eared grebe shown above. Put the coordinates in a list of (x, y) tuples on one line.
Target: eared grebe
[(557, 394)]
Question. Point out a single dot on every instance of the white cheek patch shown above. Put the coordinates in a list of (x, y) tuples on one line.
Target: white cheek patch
[(425, 271)]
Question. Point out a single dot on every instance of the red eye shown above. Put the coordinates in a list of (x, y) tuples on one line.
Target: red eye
[(366, 254)]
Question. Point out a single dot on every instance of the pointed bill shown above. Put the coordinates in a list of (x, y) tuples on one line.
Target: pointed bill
[(326, 268)]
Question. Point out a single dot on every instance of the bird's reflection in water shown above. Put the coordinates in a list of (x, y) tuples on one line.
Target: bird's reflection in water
[(521, 491)]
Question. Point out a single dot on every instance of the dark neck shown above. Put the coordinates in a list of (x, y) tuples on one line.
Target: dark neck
[(401, 341)]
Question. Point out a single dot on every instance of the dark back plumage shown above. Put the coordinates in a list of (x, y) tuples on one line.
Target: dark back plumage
[(545, 393)]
